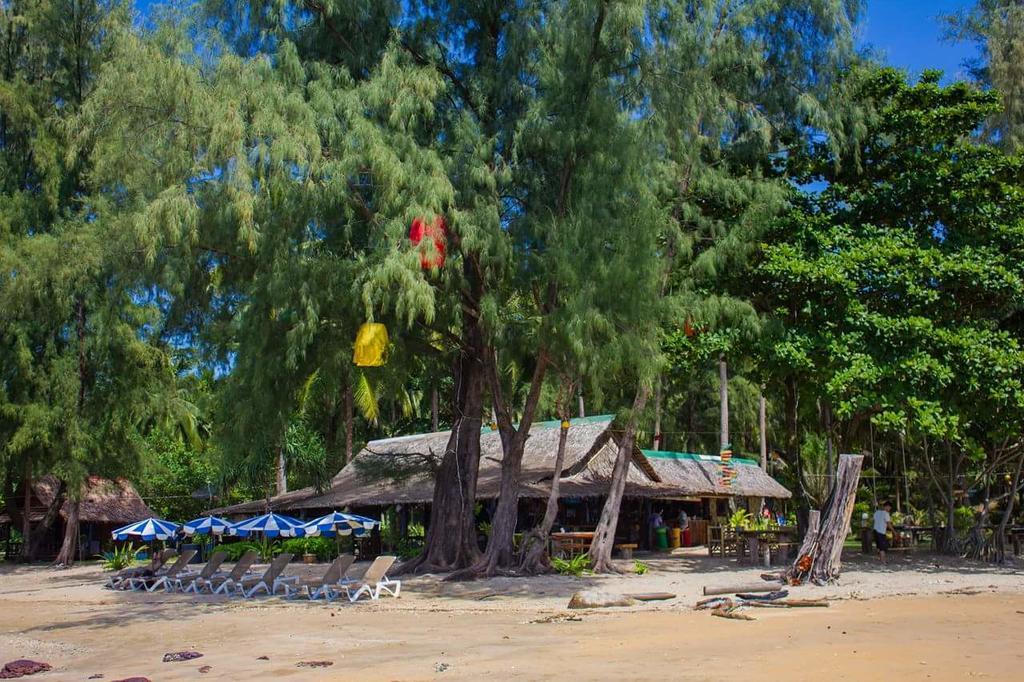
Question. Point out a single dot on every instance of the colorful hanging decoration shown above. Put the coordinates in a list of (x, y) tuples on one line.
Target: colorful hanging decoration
[(727, 470), (437, 231), (688, 328), (371, 345)]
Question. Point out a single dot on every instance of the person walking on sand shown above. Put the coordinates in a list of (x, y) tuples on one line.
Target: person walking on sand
[(882, 525)]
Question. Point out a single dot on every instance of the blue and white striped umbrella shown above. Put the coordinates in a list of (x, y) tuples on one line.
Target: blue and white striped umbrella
[(149, 529), (340, 523), (206, 525), (271, 525)]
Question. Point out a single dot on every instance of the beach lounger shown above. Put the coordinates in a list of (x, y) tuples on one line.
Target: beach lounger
[(186, 580), (316, 588), (156, 563), (223, 583), (375, 581), (269, 581), (153, 583)]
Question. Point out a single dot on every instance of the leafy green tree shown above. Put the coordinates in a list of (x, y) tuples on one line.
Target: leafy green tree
[(901, 283), (85, 371)]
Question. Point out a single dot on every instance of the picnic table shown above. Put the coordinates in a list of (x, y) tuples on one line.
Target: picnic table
[(571, 543), (764, 542)]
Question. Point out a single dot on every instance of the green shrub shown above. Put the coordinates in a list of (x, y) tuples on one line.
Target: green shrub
[(265, 549), (122, 557), (740, 518), (325, 549), (963, 519), (640, 567), (575, 566)]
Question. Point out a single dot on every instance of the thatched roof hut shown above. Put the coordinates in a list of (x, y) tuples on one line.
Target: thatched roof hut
[(104, 501), (400, 470)]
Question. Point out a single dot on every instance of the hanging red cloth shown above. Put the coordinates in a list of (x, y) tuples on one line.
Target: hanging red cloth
[(437, 231)]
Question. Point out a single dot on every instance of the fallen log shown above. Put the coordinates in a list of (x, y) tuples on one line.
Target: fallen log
[(788, 603), (734, 589)]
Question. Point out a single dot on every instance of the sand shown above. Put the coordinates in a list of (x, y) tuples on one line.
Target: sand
[(922, 617)]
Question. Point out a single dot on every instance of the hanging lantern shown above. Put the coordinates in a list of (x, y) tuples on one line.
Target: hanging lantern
[(371, 345), (437, 232)]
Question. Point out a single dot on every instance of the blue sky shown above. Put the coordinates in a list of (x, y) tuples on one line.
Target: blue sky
[(909, 34)]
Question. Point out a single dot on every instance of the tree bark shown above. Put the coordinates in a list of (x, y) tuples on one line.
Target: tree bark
[(434, 421), (69, 547), (762, 422), (52, 511), (999, 555), (26, 512), (604, 535), (349, 421), (281, 472), (792, 407), (500, 552), (535, 557), (820, 557), (723, 400), (656, 445), (451, 534)]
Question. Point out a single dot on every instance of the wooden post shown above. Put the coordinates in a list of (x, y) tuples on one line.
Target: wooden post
[(579, 397)]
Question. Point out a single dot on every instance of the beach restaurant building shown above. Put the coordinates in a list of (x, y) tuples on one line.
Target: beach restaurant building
[(397, 473)]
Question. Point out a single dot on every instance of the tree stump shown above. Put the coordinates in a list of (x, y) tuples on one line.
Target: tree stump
[(820, 557)]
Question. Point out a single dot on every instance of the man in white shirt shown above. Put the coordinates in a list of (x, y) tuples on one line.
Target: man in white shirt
[(882, 525)]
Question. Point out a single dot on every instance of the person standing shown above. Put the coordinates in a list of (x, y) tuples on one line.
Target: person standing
[(882, 525)]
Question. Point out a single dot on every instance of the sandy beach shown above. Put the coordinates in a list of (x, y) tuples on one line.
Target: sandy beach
[(921, 617)]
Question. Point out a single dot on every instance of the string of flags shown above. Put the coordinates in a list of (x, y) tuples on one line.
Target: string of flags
[(727, 470)]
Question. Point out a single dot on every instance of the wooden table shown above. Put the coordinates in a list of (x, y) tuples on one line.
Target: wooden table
[(571, 544), (756, 540), (916, 532)]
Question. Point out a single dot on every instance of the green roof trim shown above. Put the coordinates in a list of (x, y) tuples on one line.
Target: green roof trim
[(556, 423), (667, 454)]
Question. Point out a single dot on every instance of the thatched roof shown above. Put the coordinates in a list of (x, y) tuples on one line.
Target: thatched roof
[(400, 470), (103, 501), (699, 474)]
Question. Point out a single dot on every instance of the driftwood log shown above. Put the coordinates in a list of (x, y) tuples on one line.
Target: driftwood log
[(746, 587), (820, 557)]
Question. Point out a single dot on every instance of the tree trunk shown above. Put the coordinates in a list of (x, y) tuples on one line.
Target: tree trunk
[(281, 472), (823, 549), (68, 549), (451, 534), (827, 413), (762, 423), (656, 445), (723, 400), (52, 511), (350, 421), (26, 512), (535, 557), (583, 412), (500, 552), (792, 407), (999, 555), (604, 535), (434, 421)]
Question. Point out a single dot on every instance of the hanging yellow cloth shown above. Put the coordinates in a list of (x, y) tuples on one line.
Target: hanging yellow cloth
[(371, 345)]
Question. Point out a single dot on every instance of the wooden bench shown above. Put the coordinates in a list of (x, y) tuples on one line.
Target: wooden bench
[(626, 550)]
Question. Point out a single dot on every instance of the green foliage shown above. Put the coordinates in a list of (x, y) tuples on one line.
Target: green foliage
[(740, 518), (174, 472), (576, 566), (325, 549), (640, 568), (963, 519), (265, 548), (122, 556)]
